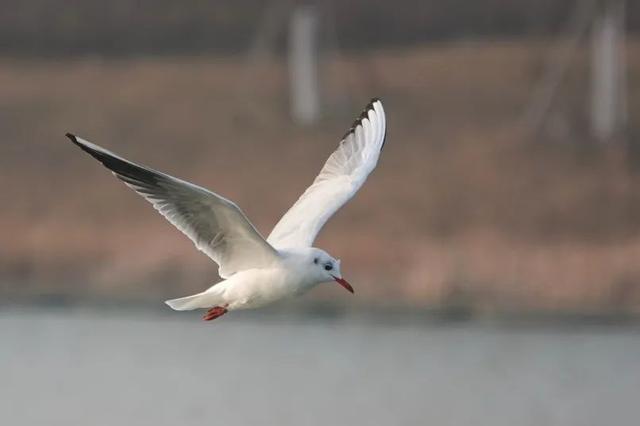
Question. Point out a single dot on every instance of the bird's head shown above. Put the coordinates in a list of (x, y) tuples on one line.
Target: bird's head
[(327, 269)]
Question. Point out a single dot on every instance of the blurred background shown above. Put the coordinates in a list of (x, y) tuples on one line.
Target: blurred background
[(495, 251)]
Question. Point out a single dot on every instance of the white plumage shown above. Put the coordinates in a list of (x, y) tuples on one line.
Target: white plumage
[(256, 271)]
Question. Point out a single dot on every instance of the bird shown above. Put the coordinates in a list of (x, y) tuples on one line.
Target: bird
[(256, 271)]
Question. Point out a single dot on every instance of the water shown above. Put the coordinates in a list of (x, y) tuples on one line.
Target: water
[(111, 368)]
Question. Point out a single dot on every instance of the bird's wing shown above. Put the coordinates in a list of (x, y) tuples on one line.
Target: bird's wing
[(216, 225), (342, 175)]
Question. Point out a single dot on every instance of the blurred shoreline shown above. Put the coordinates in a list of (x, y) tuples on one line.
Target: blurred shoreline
[(393, 316)]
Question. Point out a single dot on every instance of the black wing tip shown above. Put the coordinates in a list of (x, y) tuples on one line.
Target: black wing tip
[(384, 139), (364, 114), (82, 146), (124, 169), (73, 138), (98, 155)]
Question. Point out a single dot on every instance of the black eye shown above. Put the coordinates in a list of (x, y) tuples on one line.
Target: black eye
[(328, 267), (315, 260)]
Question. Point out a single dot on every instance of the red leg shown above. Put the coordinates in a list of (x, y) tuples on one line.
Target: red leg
[(215, 312)]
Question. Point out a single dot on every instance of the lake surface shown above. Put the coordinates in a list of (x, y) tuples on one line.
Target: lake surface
[(119, 368)]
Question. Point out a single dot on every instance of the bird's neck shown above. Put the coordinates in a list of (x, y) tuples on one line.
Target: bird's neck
[(299, 264)]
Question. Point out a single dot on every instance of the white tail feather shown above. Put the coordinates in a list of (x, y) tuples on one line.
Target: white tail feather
[(196, 301)]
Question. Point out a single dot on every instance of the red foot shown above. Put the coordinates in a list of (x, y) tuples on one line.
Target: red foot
[(215, 312)]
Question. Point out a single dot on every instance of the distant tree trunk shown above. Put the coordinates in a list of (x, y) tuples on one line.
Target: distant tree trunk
[(303, 65), (607, 76)]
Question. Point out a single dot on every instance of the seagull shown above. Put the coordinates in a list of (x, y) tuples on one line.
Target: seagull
[(255, 271)]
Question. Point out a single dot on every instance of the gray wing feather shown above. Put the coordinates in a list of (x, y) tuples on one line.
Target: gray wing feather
[(216, 225)]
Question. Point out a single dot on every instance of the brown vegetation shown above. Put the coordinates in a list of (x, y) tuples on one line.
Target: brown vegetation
[(465, 208)]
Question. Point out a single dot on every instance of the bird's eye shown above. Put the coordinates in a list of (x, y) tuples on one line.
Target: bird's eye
[(315, 260), (328, 267)]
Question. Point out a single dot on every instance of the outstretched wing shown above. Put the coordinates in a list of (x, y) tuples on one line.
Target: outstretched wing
[(342, 175), (216, 225)]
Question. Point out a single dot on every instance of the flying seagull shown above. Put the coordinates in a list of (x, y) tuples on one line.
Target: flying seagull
[(256, 271)]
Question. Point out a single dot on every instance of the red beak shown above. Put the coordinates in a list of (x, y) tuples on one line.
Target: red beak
[(343, 283)]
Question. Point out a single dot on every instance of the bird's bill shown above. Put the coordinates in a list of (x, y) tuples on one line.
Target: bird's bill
[(344, 283)]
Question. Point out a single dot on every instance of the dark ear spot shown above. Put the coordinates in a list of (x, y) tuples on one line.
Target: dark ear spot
[(315, 260)]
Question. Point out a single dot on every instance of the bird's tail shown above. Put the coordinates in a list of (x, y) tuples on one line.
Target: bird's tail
[(206, 299)]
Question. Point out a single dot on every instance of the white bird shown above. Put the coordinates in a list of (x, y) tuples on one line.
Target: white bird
[(256, 271)]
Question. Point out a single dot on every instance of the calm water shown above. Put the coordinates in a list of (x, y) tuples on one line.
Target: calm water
[(111, 368)]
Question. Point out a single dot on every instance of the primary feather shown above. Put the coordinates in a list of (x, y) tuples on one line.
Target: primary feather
[(343, 174), (215, 225)]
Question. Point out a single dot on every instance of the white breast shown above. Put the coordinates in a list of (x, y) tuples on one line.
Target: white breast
[(257, 287)]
